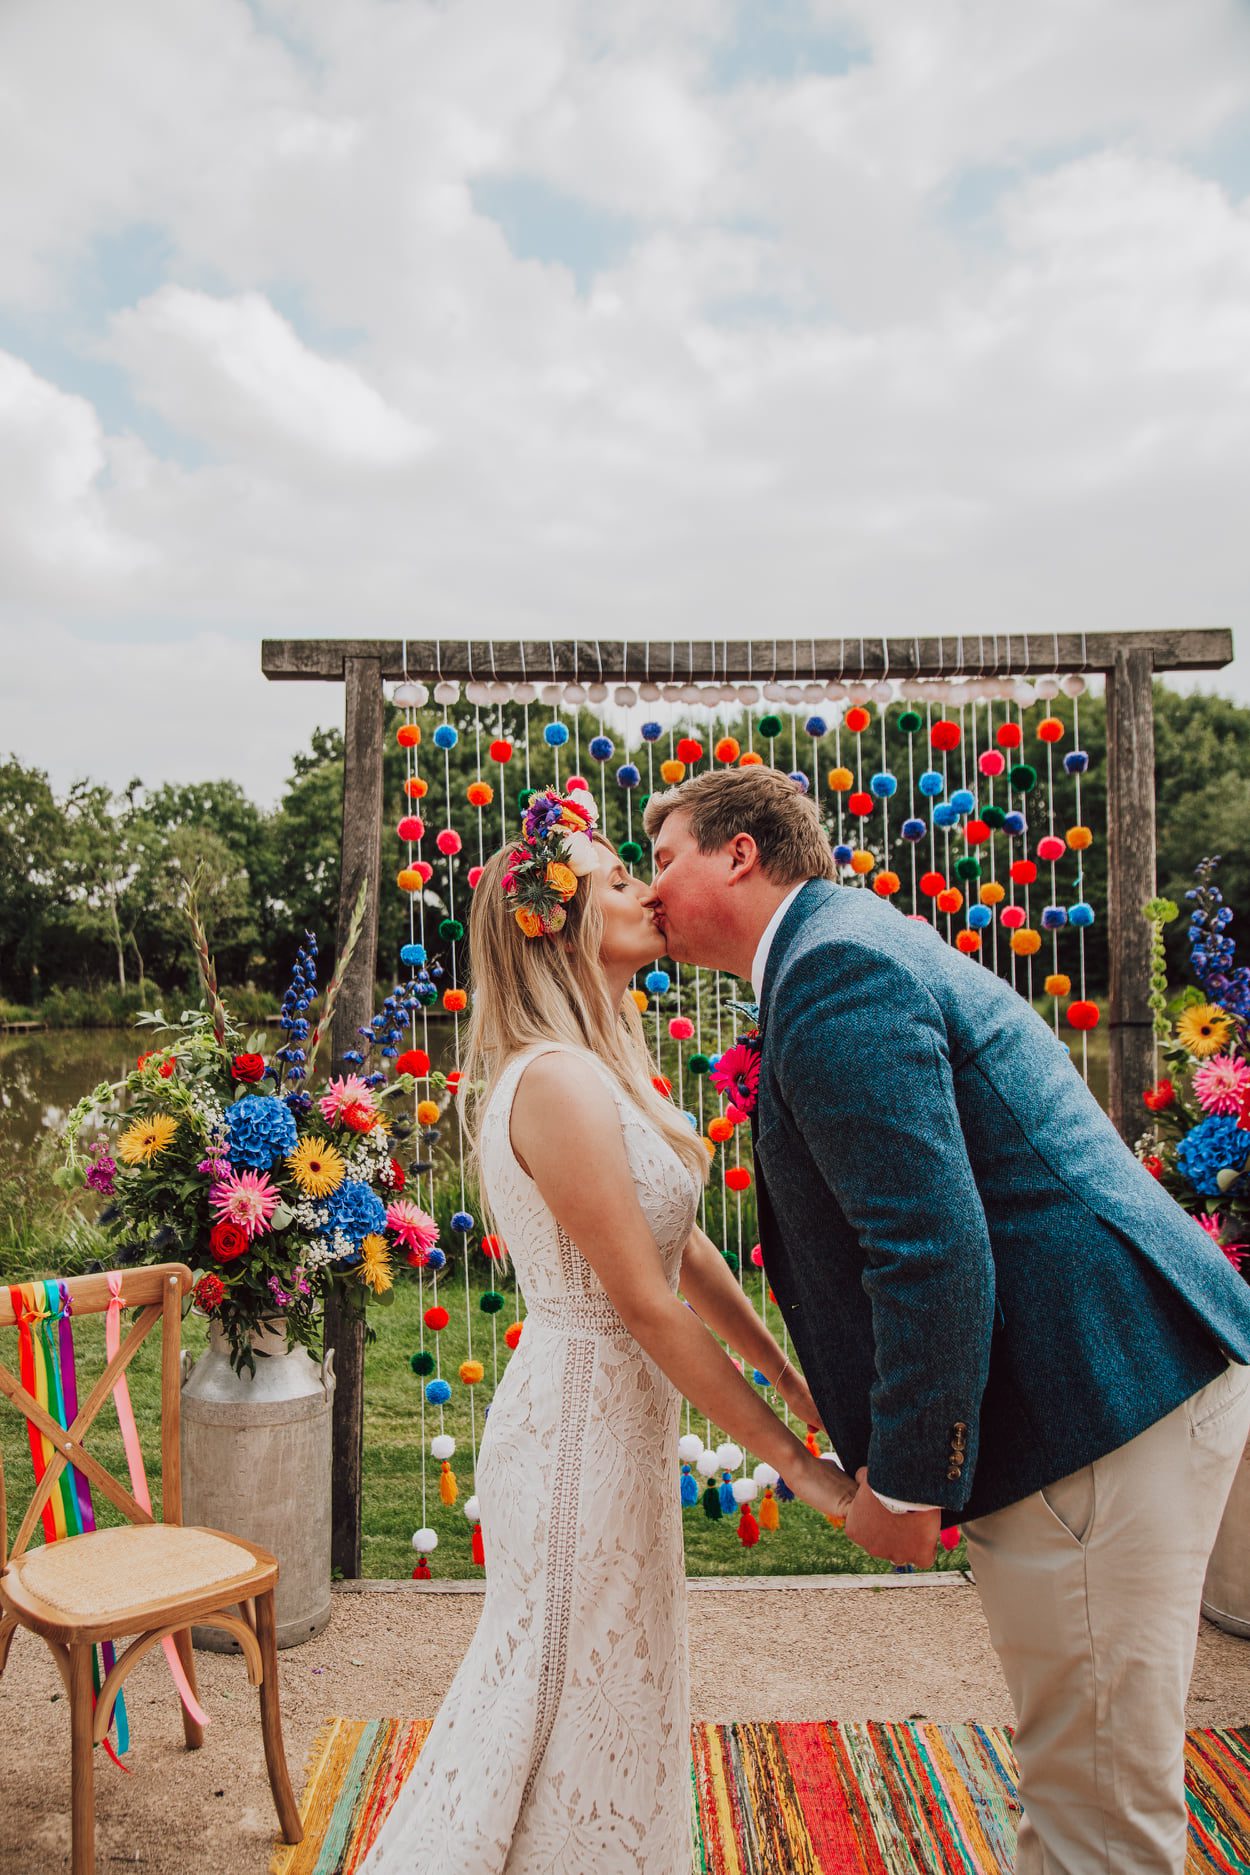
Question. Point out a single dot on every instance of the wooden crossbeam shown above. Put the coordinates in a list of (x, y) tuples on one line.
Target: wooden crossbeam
[(802, 660)]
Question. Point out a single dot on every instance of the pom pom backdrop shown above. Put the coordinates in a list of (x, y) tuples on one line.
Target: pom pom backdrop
[(963, 803)]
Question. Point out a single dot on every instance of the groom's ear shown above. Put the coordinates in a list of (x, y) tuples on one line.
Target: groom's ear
[(744, 857)]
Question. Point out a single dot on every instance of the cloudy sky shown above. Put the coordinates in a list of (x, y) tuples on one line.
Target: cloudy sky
[(629, 318)]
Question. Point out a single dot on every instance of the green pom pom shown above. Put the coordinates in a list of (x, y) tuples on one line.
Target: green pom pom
[(699, 1064), (491, 1302), (770, 727), (630, 851), (731, 1257), (642, 801), (967, 867), (451, 928), (1023, 777), (524, 798), (711, 1503), (421, 1363), (909, 721), (993, 816)]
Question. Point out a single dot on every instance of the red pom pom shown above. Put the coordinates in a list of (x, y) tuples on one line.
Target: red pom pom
[(748, 1529), (422, 1571), (688, 750), (1050, 847), (1012, 917), (968, 942), (494, 1248), (977, 832), (1008, 736), (501, 750), (738, 1178), (437, 1317), (479, 1554), (949, 1539), (945, 734), (448, 842), (1023, 871), (857, 719), (931, 883), (681, 1028), (951, 900), (512, 1333), (411, 828), (423, 870), (860, 804), (886, 884), (475, 873), (662, 1086), (1083, 1015), (413, 1061), (577, 781)]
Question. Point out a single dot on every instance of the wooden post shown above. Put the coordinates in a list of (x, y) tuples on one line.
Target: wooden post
[(345, 1316), (1130, 881)]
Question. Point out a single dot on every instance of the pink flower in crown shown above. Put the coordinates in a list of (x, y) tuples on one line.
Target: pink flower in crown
[(737, 1073), (412, 1228), (1221, 1083), (246, 1199), (349, 1090)]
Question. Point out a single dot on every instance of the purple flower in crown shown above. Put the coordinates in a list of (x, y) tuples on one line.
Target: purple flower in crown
[(737, 1073)]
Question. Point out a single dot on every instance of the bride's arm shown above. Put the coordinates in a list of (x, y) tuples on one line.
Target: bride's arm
[(718, 1298), (566, 1131)]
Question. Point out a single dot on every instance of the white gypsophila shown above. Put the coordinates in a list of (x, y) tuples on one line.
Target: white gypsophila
[(317, 1255), (342, 1247)]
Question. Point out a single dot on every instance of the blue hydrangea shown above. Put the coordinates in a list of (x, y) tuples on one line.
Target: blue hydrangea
[(1207, 1148), (355, 1210), (259, 1130)]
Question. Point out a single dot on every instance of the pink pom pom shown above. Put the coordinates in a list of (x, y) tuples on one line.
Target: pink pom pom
[(475, 873), (1050, 847), (735, 1114), (425, 869), (576, 781), (448, 842), (992, 762), (757, 1258), (681, 1028), (949, 1539), (1012, 917)]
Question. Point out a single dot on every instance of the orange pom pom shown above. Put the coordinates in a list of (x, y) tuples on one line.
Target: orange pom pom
[(991, 893), (1025, 942), (770, 1518), (1050, 729), (415, 788), (672, 771), (1079, 838), (728, 749), (408, 735), (886, 884), (862, 860), (968, 942), (471, 1372), (1058, 984), (738, 1178), (481, 794), (408, 879), (950, 899), (720, 1129), (427, 1113), (455, 1001), (512, 1333), (841, 780), (640, 1000), (751, 759)]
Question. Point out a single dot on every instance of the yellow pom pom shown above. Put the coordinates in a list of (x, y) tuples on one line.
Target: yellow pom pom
[(841, 780), (640, 1001), (1079, 838), (408, 880), (861, 860), (471, 1372), (1026, 943), (769, 1518), (672, 771), (1058, 985), (427, 1113), (991, 893)]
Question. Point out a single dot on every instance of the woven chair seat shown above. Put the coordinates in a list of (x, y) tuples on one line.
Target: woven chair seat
[(92, 1577)]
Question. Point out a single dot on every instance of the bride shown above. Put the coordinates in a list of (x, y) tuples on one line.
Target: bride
[(563, 1744)]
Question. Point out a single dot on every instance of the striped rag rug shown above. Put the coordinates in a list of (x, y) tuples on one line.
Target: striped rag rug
[(807, 1798)]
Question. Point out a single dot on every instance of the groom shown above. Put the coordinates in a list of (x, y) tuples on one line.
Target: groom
[(1005, 1321)]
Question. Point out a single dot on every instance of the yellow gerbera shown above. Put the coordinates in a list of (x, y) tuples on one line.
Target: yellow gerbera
[(317, 1167), (1203, 1029), (142, 1140), (375, 1263)]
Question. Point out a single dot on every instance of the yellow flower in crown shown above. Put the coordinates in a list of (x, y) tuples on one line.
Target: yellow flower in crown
[(1203, 1029), (561, 879), (142, 1141)]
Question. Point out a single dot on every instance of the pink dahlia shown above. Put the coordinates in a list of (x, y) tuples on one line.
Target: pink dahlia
[(246, 1199), (1221, 1084), (349, 1090), (412, 1228), (1213, 1226)]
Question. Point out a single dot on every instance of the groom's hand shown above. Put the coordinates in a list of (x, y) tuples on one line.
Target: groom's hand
[(909, 1537)]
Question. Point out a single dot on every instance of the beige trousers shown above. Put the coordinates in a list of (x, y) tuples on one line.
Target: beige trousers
[(1092, 1591)]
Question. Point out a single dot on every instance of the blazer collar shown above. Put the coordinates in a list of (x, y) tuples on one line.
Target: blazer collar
[(813, 894)]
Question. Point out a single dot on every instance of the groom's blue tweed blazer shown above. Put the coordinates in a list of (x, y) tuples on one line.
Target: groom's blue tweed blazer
[(985, 1288)]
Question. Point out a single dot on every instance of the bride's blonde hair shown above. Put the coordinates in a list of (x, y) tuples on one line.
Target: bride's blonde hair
[(552, 989)]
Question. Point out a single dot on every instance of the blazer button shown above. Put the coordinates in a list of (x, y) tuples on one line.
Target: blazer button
[(954, 1472)]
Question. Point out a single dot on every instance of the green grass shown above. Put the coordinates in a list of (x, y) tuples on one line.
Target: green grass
[(805, 1543)]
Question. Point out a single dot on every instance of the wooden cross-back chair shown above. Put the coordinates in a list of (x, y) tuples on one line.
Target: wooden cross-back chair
[(143, 1578)]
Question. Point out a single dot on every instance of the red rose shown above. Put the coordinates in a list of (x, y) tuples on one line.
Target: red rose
[(1159, 1097), (208, 1292), (1154, 1165), (227, 1240), (248, 1067), (398, 1180)]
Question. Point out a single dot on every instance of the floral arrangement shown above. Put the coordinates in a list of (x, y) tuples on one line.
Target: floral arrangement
[(554, 854), (1199, 1142), (235, 1161)]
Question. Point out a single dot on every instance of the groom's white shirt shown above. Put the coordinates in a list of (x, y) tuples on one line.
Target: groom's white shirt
[(758, 967)]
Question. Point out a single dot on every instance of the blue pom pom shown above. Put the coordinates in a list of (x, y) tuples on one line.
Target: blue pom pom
[(1014, 823), (446, 736), (843, 855), (816, 726), (462, 1220), (761, 1380), (884, 785), (1076, 761), (601, 748), (555, 735), (931, 782), (979, 916), (692, 1117), (728, 1503), (800, 780), (651, 732), (1053, 917), (946, 814), (628, 775), (913, 830), (436, 1259), (657, 981), (437, 1392), (412, 954), (963, 800), (689, 1488), (1081, 914)]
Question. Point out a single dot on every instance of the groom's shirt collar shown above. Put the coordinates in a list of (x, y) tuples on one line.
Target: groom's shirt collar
[(760, 962)]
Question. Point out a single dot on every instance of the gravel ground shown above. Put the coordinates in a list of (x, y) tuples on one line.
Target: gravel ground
[(908, 1650)]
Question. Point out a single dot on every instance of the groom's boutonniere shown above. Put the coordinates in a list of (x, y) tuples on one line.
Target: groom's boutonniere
[(737, 1073)]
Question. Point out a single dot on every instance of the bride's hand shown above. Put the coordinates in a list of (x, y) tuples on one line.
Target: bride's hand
[(797, 1395), (823, 1485)]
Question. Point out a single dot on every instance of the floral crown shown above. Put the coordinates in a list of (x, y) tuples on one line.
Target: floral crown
[(556, 851)]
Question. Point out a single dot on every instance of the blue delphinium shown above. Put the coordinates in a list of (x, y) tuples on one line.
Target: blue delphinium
[(259, 1130), (1207, 1149), (1212, 955), (300, 993), (355, 1210)]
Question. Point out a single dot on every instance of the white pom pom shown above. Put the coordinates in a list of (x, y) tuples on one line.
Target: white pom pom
[(744, 1489), (410, 696), (524, 693), (444, 1446), (1046, 687), (689, 1448), (477, 693), (707, 1465), (648, 692), (748, 693), (425, 1540), (728, 1457), (574, 695), (447, 692), (765, 1475), (472, 1510), (597, 693), (1074, 685), (625, 695)]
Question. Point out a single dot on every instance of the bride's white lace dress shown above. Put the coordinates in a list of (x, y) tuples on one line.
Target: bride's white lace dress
[(563, 1746)]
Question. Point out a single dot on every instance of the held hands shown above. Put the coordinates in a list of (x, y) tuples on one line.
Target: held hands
[(823, 1485), (907, 1537)]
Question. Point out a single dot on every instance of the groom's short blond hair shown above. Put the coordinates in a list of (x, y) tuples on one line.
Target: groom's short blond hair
[(784, 823)]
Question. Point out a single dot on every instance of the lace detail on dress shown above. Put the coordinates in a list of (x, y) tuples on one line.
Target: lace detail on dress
[(564, 1742)]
